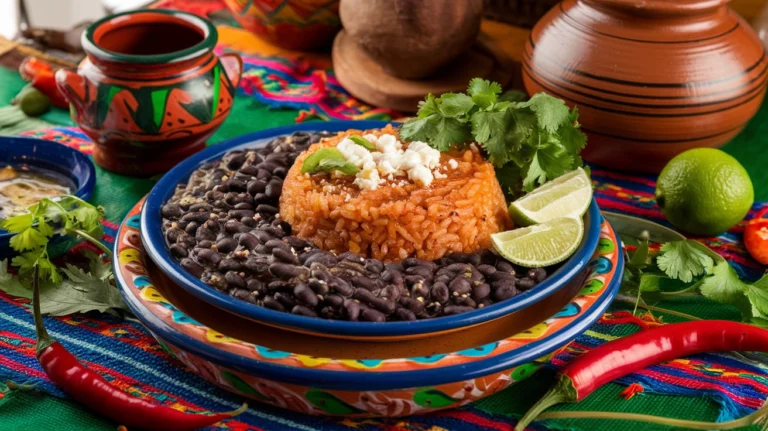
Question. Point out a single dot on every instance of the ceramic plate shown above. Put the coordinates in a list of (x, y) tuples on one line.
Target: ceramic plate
[(51, 156), (305, 378), (154, 243)]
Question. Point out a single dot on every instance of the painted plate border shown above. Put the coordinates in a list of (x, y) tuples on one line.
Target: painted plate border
[(155, 246), (168, 323)]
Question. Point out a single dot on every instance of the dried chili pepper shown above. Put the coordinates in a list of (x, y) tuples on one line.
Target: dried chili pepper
[(91, 390), (756, 237), (626, 355), (41, 75)]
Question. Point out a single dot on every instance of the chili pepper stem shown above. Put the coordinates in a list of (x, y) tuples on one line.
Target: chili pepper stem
[(751, 419), (43, 339), (562, 392)]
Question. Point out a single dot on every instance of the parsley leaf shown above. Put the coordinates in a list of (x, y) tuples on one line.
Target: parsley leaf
[(723, 285), (450, 132), (456, 105), (8, 283), (28, 239), (684, 260), (551, 112), (489, 129), (17, 223), (758, 296), (484, 93)]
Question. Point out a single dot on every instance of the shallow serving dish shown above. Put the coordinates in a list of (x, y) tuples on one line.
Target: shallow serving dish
[(30, 154), (348, 377), (155, 245)]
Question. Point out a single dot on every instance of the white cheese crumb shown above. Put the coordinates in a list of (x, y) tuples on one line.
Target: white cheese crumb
[(453, 163), (420, 175)]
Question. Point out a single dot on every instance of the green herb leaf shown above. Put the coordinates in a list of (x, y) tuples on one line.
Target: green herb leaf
[(10, 284), (724, 286), (310, 163), (549, 162), (343, 166), (651, 282), (455, 105), (513, 96), (28, 239), (17, 223), (551, 112), (359, 140), (490, 130), (758, 295), (639, 259), (450, 132), (684, 260), (483, 92)]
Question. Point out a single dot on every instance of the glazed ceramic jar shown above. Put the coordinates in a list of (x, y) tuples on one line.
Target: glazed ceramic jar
[(151, 90), (290, 24), (652, 78)]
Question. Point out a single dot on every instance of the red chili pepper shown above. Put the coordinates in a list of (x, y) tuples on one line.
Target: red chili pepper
[(623, 356), (46, 83), (756, 237), (32, 66), (91, 390)]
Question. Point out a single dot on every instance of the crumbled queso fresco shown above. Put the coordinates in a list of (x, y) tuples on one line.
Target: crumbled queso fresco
[(419, 162)]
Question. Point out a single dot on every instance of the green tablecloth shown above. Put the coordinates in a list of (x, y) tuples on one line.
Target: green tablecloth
[(29, 411)]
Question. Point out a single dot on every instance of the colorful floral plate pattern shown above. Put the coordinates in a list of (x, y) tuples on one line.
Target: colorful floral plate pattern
[(368, 386)]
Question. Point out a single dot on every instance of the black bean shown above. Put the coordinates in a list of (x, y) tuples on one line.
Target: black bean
[(192, 267), (397, 267), (285, 271), (416, 306), (215, 279), (364, 282), (248, 241), (280, 172), (537, 274), (234, 279), (262, 235), (297, 243), (459, 286), (257, 265), (206, 243), (285, 256), (367, 297), (413, 261), (340, 286), (200, 208), (422, 271), (351, 309), (465, 300), (504, 292), (208, 256), (487, 257), (374, 266), (501, 275), (505, 267), (178, 251), (277, 244), (305, 296), (256, 186), (524, 283), (226, 245), (261, 198), (404, 314), (303, 311), (256, 286), (334, 301), (274, 188), (263, 174), (287, 300), (458, 268), (472, 259), (450, 310), (329, 313), (199, 217), (229, 264), (486, 270), (440, 293), (233, 226), (244, 206), (391, 292), (481, 292), (171, 210), (318, 286), (444, 278), (420, 289), (203, 233), (273, 303), (192, 227), (238, 214), (371, 315)]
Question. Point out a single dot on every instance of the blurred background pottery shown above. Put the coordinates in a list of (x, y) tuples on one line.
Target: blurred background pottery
[(150, 91), (412, 39), (652, 78), (291, 24)]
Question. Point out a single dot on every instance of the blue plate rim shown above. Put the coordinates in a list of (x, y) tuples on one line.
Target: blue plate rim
[(366, 380), (84, 190), (154, 244)]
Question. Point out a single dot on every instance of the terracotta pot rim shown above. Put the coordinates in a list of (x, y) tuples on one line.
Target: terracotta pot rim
[(661, 7), (206, 29)]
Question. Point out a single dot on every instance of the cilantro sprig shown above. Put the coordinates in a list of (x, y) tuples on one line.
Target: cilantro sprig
[(683, 268), (34, 229), (529, 142)]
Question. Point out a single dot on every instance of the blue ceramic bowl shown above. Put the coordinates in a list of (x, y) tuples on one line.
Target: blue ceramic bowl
[(51, 156), (154, 243)]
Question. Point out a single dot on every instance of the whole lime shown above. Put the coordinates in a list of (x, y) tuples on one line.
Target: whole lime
[(704, 191), (34, 103)]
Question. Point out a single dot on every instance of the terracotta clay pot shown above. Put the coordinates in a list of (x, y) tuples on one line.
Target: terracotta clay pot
[(412, 39), (651, 79), (150, 91), (290, 24)]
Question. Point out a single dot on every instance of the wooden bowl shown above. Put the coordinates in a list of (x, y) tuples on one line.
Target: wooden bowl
[(651, 79), (311, 375)]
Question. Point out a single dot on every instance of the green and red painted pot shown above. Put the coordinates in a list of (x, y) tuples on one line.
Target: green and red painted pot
[(151, 90)]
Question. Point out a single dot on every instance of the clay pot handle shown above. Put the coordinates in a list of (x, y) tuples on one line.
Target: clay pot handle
[(233, 66), (72, 86)]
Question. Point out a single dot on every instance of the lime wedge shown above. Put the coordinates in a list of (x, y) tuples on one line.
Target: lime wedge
[(566, 196), (542, 244)]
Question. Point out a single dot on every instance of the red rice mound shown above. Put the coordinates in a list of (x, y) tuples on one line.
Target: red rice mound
[(393, 222)]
